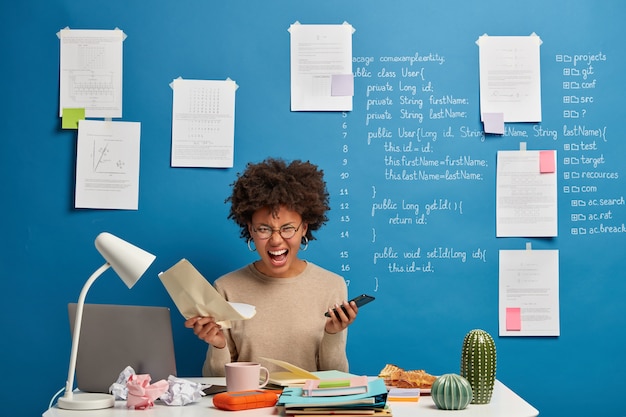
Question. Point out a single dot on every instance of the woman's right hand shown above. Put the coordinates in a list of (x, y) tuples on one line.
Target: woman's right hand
[(208, 330)]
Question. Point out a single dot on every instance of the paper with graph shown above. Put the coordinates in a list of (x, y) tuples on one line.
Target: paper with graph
[(107, 165)]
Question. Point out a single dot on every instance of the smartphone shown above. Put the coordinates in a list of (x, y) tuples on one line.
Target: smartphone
[(360, 300)]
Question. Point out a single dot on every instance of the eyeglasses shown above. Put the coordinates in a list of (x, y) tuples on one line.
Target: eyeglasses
[(286, 232)]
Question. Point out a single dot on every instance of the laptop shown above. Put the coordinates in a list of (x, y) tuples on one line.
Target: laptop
[(116, 336)]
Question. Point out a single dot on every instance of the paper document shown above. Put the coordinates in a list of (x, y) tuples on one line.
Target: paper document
[(107, 165), (195, 296), (91, 71), (203, 123), (526, 196), (510, 77), (321, 67), (529, 293)]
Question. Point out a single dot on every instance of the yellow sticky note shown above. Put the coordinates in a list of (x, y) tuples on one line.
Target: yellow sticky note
[(71, 118)]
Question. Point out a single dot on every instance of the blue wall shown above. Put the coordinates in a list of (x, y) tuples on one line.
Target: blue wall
[(419, 319)]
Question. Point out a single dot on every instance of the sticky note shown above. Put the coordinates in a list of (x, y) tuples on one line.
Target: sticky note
[(342, 85), (513, 318), (71, 118), (334, 383), (493, 123), (546, 162)]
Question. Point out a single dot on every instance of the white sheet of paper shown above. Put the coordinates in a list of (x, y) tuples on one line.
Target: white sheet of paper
[(91, 71), (529, 281), (526, 198), (107, 165), (510, 77), (317, 53), (203, 123)]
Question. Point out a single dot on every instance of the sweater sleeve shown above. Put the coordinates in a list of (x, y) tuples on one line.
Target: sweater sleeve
[(332, 353), (217, 358), (215, 361)]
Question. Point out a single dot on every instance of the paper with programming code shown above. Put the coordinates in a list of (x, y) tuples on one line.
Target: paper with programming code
[(195, 296)]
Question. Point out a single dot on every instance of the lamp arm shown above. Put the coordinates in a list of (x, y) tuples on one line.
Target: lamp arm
[(69, 385)]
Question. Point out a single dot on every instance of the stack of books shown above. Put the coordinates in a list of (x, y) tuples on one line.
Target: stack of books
[(349, 397)]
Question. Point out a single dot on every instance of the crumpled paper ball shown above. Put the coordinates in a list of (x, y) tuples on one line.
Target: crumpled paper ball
[(141, 394), (118, 388), (178, 391), (181, 391)]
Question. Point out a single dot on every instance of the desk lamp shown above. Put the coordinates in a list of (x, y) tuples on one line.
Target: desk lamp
[(130, 263)]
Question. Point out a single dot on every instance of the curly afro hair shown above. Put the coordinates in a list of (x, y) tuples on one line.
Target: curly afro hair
[(299, 186)]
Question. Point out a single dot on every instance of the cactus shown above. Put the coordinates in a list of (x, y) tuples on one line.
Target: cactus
[(478, 364), (451, 392)]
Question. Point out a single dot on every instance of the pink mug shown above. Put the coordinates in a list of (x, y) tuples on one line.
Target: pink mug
[(245, 376)]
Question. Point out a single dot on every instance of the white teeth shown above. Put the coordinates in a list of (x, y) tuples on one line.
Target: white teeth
[(278, 252)]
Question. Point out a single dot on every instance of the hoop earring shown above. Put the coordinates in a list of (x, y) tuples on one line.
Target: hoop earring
[(305, 241), (250, 248)]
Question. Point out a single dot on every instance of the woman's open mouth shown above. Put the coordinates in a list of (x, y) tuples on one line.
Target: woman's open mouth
[(278, 257)]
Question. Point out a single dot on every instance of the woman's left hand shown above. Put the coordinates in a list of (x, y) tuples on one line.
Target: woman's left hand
[(341, 318)]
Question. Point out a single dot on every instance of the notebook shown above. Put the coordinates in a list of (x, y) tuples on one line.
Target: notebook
[(294, 376), (116, 336)]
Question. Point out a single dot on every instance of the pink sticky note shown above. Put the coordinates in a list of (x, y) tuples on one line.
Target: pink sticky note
[(513, 318), (493, 123), (546, 162), (342, 85)]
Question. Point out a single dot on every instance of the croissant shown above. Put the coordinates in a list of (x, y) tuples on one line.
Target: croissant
[(398, 377)]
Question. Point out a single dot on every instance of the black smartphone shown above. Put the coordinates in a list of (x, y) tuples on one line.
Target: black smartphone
[(360, 300)]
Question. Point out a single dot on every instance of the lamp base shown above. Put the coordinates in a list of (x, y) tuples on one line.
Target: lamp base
[(86, 401)]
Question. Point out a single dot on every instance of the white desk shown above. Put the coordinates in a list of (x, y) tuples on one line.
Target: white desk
[(503, 403)]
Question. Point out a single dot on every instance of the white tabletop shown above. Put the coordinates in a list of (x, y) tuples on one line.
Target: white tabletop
[(503, 403)]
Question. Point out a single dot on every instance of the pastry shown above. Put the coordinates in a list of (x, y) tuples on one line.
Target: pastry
[(398, 377)]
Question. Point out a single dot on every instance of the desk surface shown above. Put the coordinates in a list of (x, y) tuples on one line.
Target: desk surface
[(503, 403)]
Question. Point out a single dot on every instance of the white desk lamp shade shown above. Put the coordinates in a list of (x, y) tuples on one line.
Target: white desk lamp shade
[(127, 260), (130, 263)]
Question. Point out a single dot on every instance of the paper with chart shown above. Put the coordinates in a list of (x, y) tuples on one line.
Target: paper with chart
[(529, 293), (526, 194), (510, 77), (321, 67), (203, 123), (107, 165), (91, 71)]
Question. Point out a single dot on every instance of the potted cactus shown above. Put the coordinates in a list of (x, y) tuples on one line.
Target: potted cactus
[(451, 392), (478, 364)]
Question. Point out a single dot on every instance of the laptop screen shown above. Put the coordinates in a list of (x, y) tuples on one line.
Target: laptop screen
[(116, 336)]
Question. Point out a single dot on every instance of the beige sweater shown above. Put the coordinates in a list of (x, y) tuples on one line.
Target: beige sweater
[(289, 321)]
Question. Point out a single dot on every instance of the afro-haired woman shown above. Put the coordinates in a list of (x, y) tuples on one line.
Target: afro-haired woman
[(278, 205)]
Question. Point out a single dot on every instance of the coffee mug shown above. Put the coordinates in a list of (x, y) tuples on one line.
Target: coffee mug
[(245, 376)]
